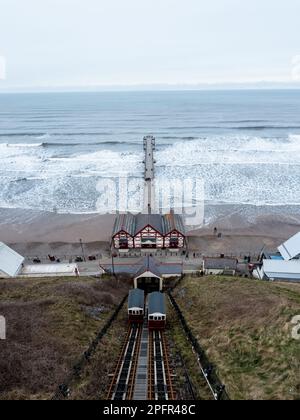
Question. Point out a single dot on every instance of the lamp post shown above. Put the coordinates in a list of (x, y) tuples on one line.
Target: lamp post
[(82, 250), (113, 256)]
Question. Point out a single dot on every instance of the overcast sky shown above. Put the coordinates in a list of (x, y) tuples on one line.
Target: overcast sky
[(111, 42)]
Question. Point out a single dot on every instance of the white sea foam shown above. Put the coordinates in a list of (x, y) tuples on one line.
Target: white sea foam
[(234, 169), (23, 145), (46, 136), (232, 150)]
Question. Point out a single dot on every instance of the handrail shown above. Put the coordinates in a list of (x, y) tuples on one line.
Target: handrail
[(216, 386)]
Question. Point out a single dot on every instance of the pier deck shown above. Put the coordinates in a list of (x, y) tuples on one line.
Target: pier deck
[(149, 192)]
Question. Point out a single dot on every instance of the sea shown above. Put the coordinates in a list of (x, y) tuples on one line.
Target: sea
[(56, 147)]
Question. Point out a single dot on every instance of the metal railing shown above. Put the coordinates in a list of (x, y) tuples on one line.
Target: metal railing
[(215, 385)]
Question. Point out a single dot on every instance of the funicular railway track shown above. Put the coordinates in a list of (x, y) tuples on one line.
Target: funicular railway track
[(159, 378), (143, 369), (159, 375), (122, 385)]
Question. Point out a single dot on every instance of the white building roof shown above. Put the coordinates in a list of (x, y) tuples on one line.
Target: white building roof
[(50, 270), (276, 269), (291, 248), (10, 261)]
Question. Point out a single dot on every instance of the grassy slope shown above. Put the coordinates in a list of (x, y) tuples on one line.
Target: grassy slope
[(50, 322), (180, 346), (95, 381), (244, 326)]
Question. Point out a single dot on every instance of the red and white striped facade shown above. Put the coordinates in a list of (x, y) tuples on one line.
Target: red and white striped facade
[(123, 240), (148, 232), (174, 239), (148, 238)]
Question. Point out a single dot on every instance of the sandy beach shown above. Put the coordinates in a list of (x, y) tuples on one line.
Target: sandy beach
[(244, 229)]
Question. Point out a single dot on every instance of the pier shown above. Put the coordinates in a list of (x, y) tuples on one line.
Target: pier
[(150, 229), (149, 162)]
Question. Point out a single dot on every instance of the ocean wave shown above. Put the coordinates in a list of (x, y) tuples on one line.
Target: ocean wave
[(185, 150), (55, 134), (233, 167), (23, 145), (160, 135), (243, 121), (103, 143), (235, 127), (229, 150), (44, 137), (32, 134), (69, 145), (267, 127), (18, 180), (178, 138)]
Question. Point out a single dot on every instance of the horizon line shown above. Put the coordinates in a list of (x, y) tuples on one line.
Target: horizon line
[(155, 87)]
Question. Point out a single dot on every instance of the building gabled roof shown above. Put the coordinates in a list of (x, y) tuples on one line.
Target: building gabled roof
[(157, 268), (291, 248), (136, 298), (153, 220), (149, 265), (173, 222), (10, 261), (156, 303), (125, 223), (163, 224)]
